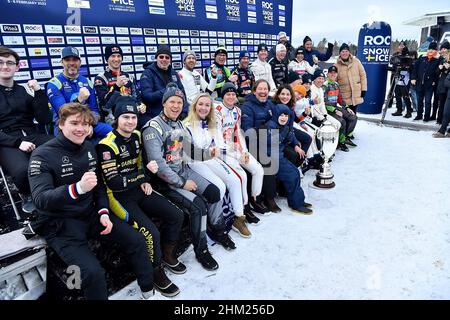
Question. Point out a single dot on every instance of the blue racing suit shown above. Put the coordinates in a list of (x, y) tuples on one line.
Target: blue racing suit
[(62, 90)]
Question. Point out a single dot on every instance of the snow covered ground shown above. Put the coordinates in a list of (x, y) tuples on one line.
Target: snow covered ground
[(382, 233)]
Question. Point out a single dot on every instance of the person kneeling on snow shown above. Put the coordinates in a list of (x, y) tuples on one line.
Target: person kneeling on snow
[(287, 173)]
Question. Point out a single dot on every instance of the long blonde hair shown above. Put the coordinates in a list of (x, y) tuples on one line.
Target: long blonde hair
[(192, 119)]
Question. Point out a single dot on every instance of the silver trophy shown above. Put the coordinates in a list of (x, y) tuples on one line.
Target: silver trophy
[(329, 137)]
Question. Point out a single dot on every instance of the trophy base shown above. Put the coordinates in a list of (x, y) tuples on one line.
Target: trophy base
[(324, 182)]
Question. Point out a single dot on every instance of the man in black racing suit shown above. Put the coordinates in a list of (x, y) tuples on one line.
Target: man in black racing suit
[(131, 196), (73, 206)]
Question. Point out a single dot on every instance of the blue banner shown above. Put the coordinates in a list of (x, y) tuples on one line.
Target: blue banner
[(374, 45), (44, 27)]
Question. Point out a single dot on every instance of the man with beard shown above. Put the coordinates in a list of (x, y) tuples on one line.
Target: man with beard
[(193, 82), (70, 86), (290, 50), (154, 80)]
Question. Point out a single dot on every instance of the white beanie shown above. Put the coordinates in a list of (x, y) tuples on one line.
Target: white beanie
[(282, 34), (280, 47)]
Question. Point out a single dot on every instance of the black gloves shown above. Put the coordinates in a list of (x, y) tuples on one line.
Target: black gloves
[(363, 93), (330, 46)]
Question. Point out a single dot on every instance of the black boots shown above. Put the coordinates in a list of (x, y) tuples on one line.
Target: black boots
[(163, 284), (169, 260), (272, 205)]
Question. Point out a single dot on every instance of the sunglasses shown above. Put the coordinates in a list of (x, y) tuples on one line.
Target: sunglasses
[(163, 57)]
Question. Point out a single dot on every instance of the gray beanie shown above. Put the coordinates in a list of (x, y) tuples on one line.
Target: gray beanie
[(188, 53), (172, 90)]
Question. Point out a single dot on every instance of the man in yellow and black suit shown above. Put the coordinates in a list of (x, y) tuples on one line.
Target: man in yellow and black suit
[(132, 198)]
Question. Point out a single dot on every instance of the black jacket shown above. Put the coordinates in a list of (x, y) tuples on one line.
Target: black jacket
[(55, 168), (425, 72), (279, 71), (17, 111)]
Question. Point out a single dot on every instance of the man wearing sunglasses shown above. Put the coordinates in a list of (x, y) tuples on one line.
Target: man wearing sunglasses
[(154, 80), (18, 134)]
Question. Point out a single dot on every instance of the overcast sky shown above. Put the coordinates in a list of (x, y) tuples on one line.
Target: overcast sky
[(341, 20)]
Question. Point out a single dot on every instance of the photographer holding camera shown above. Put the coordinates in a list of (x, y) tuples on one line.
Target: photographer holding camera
[(401, 66)]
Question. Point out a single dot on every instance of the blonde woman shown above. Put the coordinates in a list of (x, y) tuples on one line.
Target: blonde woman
[(208, 147)]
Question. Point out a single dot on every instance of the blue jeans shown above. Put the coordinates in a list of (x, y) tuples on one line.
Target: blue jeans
[(413, 94), (426, 94)]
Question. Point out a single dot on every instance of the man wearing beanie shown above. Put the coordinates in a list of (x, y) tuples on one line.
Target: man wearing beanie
[(114, 82), (424, 77), (165, 138), (222, 73), (154, 80), (70, 86), (279, 67), (245, 77), (193, 82), (261, 69), (352, 78), (290, 50), (313, 56), (130, 194)]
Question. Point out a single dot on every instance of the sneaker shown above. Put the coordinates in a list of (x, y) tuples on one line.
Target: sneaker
[(302, 210), (27, 204), (397, 113), (350, 143), (250, 217), (417, 118), (272, 205), (342, 147), (163, 284), (240, 227), (222, 237), (206, 260), (438, 135), (151, 295), (351, 137), (407, 115)]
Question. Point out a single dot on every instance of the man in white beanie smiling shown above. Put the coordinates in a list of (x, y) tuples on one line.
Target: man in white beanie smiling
[(279, 66), (193, 82)]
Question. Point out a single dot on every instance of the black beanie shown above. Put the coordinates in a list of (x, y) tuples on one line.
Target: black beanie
[(227, 87), (344, 46), (125, 104), (445, 45), (261, 46), (433, 46), (112, 49), (306, 39), (163, 49)]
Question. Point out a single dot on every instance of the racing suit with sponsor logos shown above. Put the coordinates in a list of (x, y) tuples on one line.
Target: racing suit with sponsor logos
[(68, 216), (164, 142), (123, 174)]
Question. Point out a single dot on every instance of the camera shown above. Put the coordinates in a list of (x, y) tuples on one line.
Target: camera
[(401, 63)]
